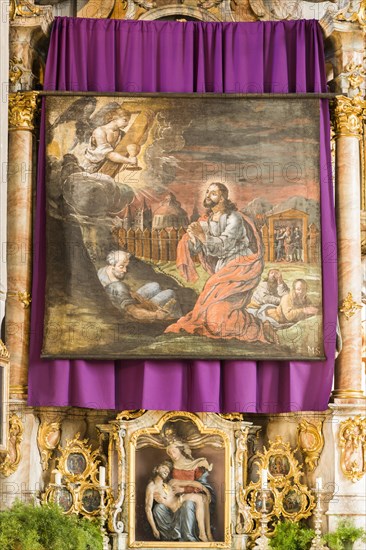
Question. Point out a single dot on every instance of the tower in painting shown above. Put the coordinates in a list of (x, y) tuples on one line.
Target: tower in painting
[(143, 217)]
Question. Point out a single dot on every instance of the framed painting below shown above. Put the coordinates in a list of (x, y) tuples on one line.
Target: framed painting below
[(183, 226)]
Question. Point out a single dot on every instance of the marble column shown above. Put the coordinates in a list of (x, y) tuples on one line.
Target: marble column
[(22, 108), (29, 25), (348, 131)]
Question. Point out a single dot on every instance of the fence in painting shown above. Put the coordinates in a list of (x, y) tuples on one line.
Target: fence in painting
[(157, 245)]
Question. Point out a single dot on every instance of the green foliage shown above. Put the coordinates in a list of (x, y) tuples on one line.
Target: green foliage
[(291, 536), (346, 532), (29, 527)]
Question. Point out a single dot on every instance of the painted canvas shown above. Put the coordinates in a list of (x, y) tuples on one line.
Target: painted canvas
[(180, 488), (183, 226)]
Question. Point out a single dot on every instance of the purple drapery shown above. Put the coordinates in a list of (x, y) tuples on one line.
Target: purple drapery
[(167, 56)]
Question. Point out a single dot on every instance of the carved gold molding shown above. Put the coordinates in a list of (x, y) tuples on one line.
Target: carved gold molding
[(130, 415), (310, 441), (4, 353), (48, 437), (232, 417), (22, 110), (9, 463), (352, 440), (348, 116), (19, 391), (349, 307)]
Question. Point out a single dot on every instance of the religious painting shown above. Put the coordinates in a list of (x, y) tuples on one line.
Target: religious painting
[(183, 226), (264, 501), (63, 498), (91, 500), (179, 471), (279, 465), (292, 502), (76, 463)]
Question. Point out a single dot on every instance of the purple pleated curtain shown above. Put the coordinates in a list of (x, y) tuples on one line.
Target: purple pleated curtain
[(167, 56)]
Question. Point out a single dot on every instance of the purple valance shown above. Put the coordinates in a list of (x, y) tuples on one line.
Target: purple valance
[(167, 56)]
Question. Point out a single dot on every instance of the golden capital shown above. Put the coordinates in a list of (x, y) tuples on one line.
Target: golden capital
[(348, 116), (22, 110)]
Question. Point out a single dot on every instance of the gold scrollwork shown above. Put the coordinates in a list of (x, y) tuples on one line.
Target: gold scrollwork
[(15, 70), (77, 461), (4, 353), (286, 496), (349, 307), (22, 111), (353, 12), (355, 74), (310, 441), (352, 440), (9, 463), (48, 437), (130, 415), (23, 8), (80, 491), (347, 116)]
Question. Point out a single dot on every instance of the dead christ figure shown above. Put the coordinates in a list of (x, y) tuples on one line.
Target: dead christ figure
[(170, 495), (221, 241)]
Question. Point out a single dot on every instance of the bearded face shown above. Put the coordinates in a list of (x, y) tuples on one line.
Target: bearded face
[(212, 197), (299, 294)]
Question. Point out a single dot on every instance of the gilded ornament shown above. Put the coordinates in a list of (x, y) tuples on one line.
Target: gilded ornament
[(349, 306), (348, 116), (23, 8), (77, 461), (352, 440), (23, 297), (353, 12), (19, 390), (130, 414), (22, 111), (232, 417), (9, 463), (287, 497), (48, 437), (15, 71), (356, 74), (311, 442), (80, 491), (244, 521), (4, 353)]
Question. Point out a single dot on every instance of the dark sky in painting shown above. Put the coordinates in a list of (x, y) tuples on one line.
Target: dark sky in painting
[(259, 148)]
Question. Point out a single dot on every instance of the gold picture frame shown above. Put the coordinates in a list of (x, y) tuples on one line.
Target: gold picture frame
[(149, 444)]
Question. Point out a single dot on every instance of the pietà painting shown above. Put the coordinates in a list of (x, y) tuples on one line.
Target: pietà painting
[(183, 226)]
